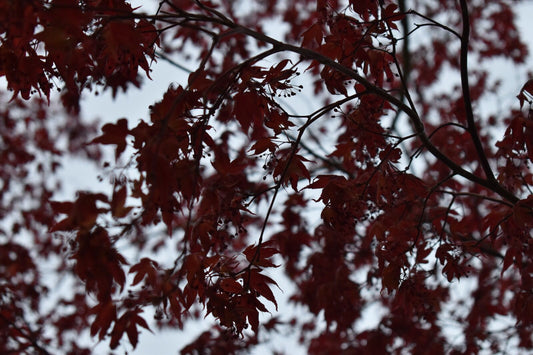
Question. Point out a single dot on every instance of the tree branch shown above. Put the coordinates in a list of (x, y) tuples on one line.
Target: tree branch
[(489, 183), (371, 88), (466, 94)]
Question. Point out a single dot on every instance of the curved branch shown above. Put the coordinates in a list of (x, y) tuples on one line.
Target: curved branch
[(489, 183), (371, 88), (466, 94), (431, 23)]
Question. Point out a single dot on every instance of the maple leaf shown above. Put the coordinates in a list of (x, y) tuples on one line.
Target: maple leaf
[(128, 323), (391, 277), (230, 285), (312, 37), (114, 134), (98, 263), (291, 168), (246, 111), (260, 283), (260, 254), (106, 313), (526, 93), (118, 201), (262, 145), (82, 213), (145, 268)]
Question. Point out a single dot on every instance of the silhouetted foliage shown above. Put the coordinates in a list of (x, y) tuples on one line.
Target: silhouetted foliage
[(399, 181)]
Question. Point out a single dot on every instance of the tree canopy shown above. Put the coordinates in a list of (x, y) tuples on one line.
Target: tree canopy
[(405, 184)]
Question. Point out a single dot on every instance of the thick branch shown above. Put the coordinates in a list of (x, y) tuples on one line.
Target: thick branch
[(466, 94)]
